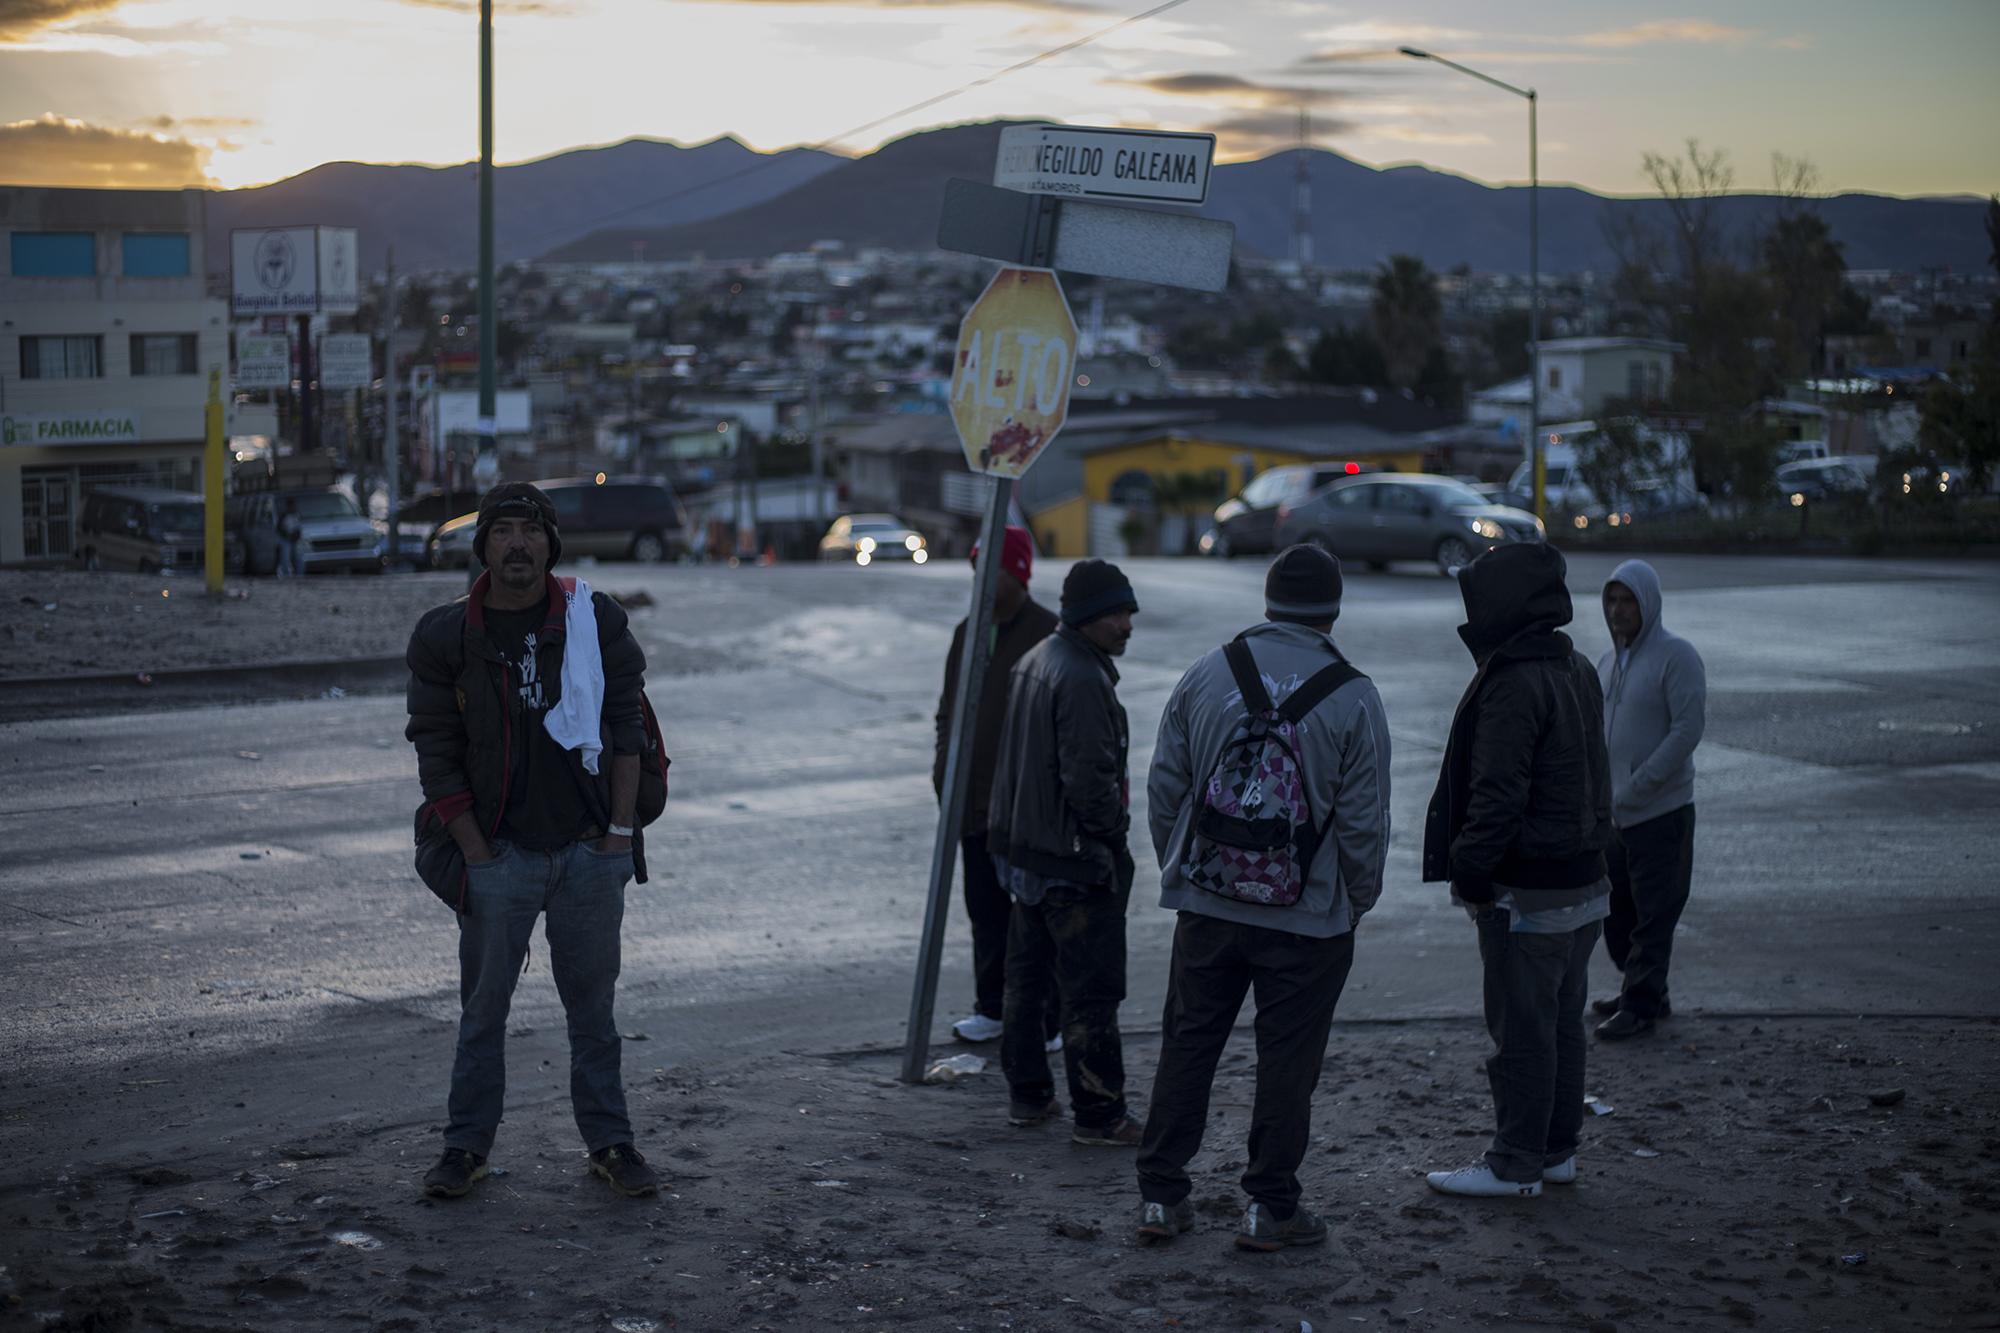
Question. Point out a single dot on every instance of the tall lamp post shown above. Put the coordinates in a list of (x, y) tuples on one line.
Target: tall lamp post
[(485, 466), (1538, 444)]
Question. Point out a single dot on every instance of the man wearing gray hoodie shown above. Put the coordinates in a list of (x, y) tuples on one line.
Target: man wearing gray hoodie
[(1655, 697), (1269, 809)]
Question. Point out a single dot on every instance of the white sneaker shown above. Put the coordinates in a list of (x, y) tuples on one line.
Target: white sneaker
[(1478, 1182), (1562, 1173), (1053, 1044), (976, 1028)]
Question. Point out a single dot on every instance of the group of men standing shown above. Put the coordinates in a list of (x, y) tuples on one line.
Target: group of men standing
[(1563, 808)]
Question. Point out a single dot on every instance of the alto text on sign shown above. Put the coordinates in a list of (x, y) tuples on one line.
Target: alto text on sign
[(1012, 371), (1165, 168)]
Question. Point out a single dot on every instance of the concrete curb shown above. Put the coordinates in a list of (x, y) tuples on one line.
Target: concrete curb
[(24, 697)]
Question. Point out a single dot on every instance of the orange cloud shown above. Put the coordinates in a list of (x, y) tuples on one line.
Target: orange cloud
[(56, 151)]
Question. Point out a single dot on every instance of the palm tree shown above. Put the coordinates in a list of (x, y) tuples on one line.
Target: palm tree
[(1407, 316)]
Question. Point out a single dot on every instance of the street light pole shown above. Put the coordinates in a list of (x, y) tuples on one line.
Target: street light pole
[(489, 332), (1537, 443)]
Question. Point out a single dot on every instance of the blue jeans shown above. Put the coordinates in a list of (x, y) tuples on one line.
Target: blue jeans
[(1534, 988), (583, 893), (288, 558)]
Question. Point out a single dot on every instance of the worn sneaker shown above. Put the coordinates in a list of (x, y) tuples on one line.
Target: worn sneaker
[(1606, 1007), (1164, 1221), (1025, 1115), (1562, 1173), (1124, 1133), (1263, 1232), (454, 1174), (976, 1028), (626, 1170), (1478, 1182)]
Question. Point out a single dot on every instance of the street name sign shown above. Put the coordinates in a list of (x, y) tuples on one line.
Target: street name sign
[(1011, 374), (1106, 240), (1152, 166)]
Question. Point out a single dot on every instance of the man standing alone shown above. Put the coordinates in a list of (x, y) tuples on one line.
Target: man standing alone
[(1518, 824), (1275, 741), (1655, 702), (1019, 623), (1056, 827), (546, 825)]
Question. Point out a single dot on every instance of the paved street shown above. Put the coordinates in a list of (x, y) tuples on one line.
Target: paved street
[(170, 901)]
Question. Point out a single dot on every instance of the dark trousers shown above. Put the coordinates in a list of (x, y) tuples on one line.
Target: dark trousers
[(1651, 867), (1535, 988), (1297, 983), (1069, 946), (582, 893), (990, 908)]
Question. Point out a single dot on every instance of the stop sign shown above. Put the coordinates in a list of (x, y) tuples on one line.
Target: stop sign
[(1011, 377)]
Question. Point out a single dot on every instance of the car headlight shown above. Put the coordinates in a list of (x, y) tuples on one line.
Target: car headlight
[(862, 558), (913, 542), (1487, 528), (919, 556), (866, 546)]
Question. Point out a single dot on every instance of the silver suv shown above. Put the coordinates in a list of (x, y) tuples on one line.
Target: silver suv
[(1405, 516)]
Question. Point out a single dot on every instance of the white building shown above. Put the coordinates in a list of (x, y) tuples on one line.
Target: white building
[(1586, 373), (106, 341)]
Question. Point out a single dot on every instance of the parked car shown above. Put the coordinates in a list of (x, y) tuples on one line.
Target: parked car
[(1247, 523), (145, 528), (418, 518), (1405, 516), (867, 538), (1817, 478), (333, 534), (612, 518)]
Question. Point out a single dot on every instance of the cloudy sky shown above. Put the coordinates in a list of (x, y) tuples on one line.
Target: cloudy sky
[(1896, 98)]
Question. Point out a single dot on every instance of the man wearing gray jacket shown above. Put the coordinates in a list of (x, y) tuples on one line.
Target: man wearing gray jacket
[(1269, 810), (1655, 697)]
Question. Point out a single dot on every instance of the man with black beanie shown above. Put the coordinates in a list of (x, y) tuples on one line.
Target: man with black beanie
[(1519, 825), (1269, 808), (543, 828), (1056, 827)]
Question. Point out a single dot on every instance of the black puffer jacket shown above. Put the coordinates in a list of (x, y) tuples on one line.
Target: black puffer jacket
[(460, 723), (1059, 778), (1030, 625), (1524, 796)]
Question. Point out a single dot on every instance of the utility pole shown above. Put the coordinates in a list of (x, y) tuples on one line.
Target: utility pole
[(392, 456), (812, 418), (308, 426), (487, 464)]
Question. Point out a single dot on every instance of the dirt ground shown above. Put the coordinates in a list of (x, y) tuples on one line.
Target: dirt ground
[(62, 622), (1773, 1173)]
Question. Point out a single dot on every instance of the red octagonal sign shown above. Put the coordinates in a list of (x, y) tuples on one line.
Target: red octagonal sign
[(1011, 377)]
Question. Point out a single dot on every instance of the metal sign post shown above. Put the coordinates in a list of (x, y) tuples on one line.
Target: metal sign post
[(1015, 365), (1011, 378)]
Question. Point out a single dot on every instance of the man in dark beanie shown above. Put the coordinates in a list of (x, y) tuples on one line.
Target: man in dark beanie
[(545, 824), (1269, 807), (1519, 825), (1057, 828), (1019, 623)]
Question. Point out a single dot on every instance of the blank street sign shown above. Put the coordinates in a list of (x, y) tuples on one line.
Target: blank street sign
[(1172, 249)]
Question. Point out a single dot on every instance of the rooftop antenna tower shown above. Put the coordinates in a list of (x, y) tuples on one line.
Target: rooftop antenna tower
[(1302, 202)]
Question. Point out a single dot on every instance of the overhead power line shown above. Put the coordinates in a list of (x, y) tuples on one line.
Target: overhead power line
[(827, 143)]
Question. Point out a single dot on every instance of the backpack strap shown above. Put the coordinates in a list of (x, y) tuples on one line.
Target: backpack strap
[(1315, 690), (1256, 700)]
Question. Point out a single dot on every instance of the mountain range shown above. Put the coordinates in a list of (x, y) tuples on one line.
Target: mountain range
[(723, 200)]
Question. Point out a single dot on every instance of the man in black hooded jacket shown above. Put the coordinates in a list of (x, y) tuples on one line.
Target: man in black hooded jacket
[(1518, 825)]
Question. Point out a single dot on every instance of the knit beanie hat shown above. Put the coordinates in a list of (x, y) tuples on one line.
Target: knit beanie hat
[(1017, 553), (1095, 588), (1304, 585), (517, 499)]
